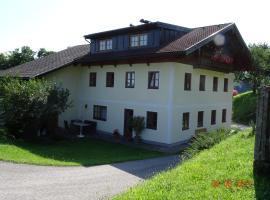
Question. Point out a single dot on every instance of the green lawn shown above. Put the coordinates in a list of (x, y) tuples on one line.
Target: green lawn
[(84, 152), (205, 176), (244, 107)]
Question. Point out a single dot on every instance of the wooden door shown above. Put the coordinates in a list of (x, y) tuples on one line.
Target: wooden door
[(128, 114)]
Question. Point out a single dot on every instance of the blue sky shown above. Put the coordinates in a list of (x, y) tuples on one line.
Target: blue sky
[(57, 24)]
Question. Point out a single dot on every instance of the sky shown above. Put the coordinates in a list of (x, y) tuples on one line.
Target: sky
[(58, 24)]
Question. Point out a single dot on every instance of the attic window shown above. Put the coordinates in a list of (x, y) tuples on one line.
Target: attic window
[(105, 45), (138, 40)]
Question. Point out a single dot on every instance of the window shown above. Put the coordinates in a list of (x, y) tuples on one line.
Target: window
[(151, 120), (213, 117), (100, 112), (202, 83), (200, 119), (185, 121), (138, 40), (225, 85), (143, 40), (153, 80), (105, 45), (215, 84), (92, 79), (224, 113), (130, 79), (187, 81), (109, 79)]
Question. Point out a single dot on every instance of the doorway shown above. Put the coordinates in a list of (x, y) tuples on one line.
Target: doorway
[(128, 115)]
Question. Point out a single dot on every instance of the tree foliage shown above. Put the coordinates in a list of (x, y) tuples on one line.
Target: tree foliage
[(28, 105), (20, 56), (260, 56), (43, 52)]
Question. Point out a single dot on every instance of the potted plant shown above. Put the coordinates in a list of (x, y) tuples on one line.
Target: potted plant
[(138, 126), (116, 135)]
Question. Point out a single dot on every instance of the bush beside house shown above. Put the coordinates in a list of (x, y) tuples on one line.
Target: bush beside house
[(28, 106)]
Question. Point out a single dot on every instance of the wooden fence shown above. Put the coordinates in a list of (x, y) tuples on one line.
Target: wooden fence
[(262, 138)]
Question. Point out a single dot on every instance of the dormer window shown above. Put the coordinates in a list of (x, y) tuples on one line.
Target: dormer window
[(138, 40), (105, 45)]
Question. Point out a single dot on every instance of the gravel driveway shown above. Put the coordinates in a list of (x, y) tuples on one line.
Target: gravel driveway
[(28, 182)]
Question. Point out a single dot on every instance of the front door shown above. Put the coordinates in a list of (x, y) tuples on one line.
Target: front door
[(128, 114)]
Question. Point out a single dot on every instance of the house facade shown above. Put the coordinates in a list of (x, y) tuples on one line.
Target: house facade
[(179, 79)]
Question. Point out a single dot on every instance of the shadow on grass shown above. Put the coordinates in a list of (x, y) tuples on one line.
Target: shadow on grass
[(84, 152)]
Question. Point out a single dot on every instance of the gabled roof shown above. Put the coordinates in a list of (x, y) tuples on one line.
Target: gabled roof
[(48, 63), (175, 50), (181, 46)]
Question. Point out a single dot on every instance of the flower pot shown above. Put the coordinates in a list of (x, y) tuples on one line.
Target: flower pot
[(137, 139)]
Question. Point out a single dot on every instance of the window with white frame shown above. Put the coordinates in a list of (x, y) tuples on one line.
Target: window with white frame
[(130, 79), (143, 39), (153, 80), (138, 40), (105, 45)]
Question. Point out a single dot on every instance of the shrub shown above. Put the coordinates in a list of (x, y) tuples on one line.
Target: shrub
[(244, 108), (138, 124), (205, 141), (29, 105)]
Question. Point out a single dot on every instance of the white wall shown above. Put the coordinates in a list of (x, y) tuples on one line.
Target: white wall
[(140, 99), (195, 100), (68, 77), (169, 101)]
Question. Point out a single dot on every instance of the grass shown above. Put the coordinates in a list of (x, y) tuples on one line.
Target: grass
[(84, 152), (205, 176), (244, 107)]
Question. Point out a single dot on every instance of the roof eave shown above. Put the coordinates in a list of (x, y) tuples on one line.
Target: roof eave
[(208, 39)]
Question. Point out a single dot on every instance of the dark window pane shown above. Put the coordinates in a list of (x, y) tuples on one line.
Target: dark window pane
[(100, 112), (225, 85), (92, 79), (213, 117), (224, 115), (202, 83), (153, 80), (187, 81), (151, 120), (109, 79), (185, 121), (200, 119), (215, 84)]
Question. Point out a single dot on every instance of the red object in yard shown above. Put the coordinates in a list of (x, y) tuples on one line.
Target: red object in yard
[(235, 92)]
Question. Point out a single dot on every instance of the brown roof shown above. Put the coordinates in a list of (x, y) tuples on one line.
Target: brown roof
[(194, 37), (183, 45), (48, 63)]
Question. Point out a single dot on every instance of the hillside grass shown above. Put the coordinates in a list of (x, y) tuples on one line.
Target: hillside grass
[(217, 173), (244, 107)]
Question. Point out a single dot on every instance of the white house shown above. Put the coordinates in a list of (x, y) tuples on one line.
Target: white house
[(180, 79)]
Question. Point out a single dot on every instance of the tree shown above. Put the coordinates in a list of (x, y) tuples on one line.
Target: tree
[(43, 52), (3, 61), (260, 56), (20, 56), (28, 105)]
